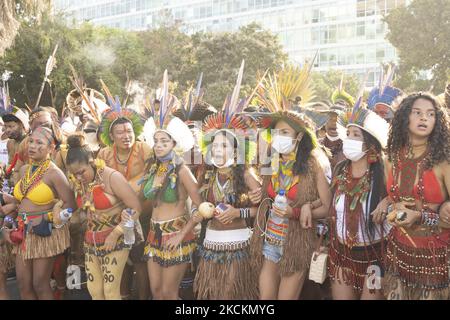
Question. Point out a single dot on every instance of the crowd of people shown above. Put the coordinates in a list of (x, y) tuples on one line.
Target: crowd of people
[(181, 200)]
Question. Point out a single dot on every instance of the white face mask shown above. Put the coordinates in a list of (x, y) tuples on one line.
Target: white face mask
[(353, 149), (227, 164), (283, 144), (332, 138)]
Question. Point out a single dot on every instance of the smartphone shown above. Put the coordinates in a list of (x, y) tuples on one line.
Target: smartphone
[(221, 207)]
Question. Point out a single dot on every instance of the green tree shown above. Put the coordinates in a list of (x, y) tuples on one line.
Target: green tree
[(219, 55), (420, 32), (95, 52), (12, 12), (325, 84)]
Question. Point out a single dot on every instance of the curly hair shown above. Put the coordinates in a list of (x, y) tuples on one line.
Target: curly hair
[(439, 139)]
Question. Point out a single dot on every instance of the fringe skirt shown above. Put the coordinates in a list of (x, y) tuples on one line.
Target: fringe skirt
[(36, 247), (418, 273), (224, 271), (160, 233), (6, 257), (355, 263)]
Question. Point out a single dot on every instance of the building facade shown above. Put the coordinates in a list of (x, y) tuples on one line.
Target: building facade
[(347, 34)]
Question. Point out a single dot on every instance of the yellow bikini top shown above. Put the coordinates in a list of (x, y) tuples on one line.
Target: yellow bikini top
[(39, 195)]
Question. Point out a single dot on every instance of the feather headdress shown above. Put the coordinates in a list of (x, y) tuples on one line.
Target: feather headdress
[(193, 108), (230, 120), (366, 120), (115, 113), (385, 93), (161, 120), (277, 94)]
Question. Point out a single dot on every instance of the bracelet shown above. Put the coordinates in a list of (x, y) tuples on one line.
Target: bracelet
[(8, 219), (296, 212), (430, 219), (244, 213)]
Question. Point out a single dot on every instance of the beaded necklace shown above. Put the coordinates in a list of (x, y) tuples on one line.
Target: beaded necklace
[(408, 168), (283, 178), (224, 192), (126, 162), (356, 192), (166, 169), (33, 176)]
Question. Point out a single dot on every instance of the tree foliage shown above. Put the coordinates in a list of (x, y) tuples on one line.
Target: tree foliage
[(326, 83), (420, 32)]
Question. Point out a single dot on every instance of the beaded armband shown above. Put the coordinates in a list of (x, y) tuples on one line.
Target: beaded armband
[(430, 219), (244, 213)]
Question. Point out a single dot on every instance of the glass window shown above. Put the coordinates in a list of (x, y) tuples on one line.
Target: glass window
[(370, 30), (360, 29), (360, 57), (315, 36), (332, 59), (315, 16), (332, 34), (381, 7), (370, 7), (360, 8), (380, 55)]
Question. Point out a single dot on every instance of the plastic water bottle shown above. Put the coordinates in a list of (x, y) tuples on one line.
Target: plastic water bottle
[(281, 203), (5, 188), (128, 230), (64, 216)]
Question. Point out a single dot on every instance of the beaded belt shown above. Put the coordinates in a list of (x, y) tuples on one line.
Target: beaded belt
[(227, 240), (276, 233)]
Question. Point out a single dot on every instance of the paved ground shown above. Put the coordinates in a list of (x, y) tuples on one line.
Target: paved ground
[(69, 295)]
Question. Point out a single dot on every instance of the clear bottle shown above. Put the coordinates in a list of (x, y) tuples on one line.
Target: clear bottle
[(5, 188), (128, 230), (64, 216), (280, 202)]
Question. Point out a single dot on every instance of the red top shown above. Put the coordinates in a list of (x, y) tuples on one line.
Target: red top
[(291, 194), (432, 192), (101, 201)]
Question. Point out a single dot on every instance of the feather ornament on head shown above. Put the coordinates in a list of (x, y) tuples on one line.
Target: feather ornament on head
[(161, 120), (364, 119), (115, 113), (193, 108), (231, 121), (277, 94), (384, 94)]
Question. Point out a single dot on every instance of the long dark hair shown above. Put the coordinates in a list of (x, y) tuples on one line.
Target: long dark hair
[(439, 139), (378, 186), (238, 170), (304, 149)]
